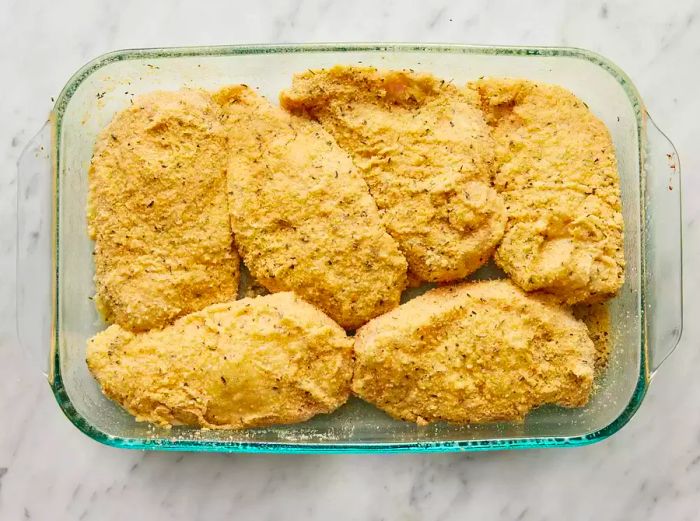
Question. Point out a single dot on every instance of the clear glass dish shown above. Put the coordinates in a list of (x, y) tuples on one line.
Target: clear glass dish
[(55, 270)]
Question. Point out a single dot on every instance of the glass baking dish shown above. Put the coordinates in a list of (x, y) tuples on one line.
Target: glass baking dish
[(55, 270)]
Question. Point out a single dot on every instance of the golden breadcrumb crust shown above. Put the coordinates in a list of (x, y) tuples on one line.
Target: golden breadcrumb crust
[(597, 319), (557, 172), (302, 215), (157, 211), (473, 352), (425, 151), (248, 363)]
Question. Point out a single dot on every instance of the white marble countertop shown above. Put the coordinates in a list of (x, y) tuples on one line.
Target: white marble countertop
[(649, 470)]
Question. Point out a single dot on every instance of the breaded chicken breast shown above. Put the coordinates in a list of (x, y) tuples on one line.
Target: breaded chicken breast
[(424, 149), (248, 363), (597, 319), (157, 211), (474, 352), (302, 216), (557, 172)]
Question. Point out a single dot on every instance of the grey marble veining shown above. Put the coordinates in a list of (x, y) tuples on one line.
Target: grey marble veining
[(49, 470)]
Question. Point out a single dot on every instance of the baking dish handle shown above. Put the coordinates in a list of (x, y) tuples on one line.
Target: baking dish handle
[(664, 246), (33, 261)]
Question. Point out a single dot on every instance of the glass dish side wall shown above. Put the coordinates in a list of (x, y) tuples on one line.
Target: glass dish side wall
[(91, 99)]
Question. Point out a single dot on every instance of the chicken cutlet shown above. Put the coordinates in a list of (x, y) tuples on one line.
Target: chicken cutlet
[(597, 319), (157, 211), (425, 151), (248, 363), (557, 173), (302, 215), (473, 352)]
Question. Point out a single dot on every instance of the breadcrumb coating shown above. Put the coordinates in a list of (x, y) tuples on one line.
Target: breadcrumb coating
[(473, 352), (557, 172), (425, 151), (302, 215), (157, 211), (248, 363)]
